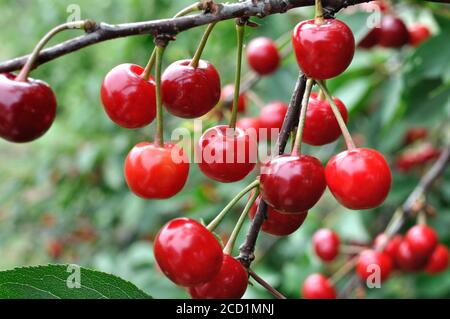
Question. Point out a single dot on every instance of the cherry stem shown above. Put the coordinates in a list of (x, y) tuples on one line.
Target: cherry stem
[(297, 147), (232, 240), (201, 47), (338, 115), (213, 225), (422, 218), (351, 249), (23, 75), (240, 29), (159, 137), (344, 270), (319, 19), (266, 285), (255, 99)]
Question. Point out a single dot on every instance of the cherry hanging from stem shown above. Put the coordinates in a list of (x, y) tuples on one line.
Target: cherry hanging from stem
[(297, 147), (240, 29), (201, 47)]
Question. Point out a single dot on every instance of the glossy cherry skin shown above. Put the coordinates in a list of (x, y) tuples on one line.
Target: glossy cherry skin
[(317, 286), (155, 172), (27, 109), (263, 56), (272, 118), (128, 99), (230, 283), (371, 39), (390, 248), (321, 126), (438, 261), (394, 33), (326, 244), (422, 240), (323, 51), (359, 178), (277, 223), (292, 184), (406, 260), (187, 253), (190, 92), (370, 258), (250, 125), (418, 33), (227, 95), (226, 155)]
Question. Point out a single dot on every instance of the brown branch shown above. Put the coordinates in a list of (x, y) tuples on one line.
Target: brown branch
[(266, 285)]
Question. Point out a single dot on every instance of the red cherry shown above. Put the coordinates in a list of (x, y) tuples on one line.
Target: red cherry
[(249, 125), (292, 184), (317, 286), (323, 50), (272, 117), (227, 94), (55, 248), (128, 99), (407, 260), (155, 172), (416, 157), (277, 223), (263, 56), (187, 253), (230, 283), (226, 155), (418, 33), (371, 39), (326, 244), (394, 33), (438, 260), (190, 92), (27, 109), (414, 134), (422, 240), (359, 178), (370, 258), (321, 126), (391, 247)]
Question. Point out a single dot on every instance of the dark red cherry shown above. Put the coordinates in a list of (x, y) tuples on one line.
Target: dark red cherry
[(359, 178), (326, 244), (190, 92), (227, 95), (406, 260), (422, 240), (317, 286), (418, 33), (323, 50), (371, 261), (321, 126), (187, 253), (227, 155), (249, 125), (390, 247), (128, 99), (292, 184), (438, 261), (272, 118), (263, 56), (394, 33), (230, 283), (277, 223), (27, 109), (155, 172), (371, 39), (415, 134)]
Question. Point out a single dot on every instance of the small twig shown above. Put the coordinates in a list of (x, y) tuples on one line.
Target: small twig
[(266, 285)]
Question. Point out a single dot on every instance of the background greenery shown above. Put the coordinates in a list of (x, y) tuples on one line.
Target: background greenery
[(68, 187)]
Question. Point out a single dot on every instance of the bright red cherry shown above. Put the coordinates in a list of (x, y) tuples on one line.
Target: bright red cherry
[(27, 109), (359, 178), (418, 33), (190, 92), (277, 223), (250, 125), (272, 117), (263, 56), (326, 244), (227, 95), (292, 184), (187, 253), (438, 260), (323, 50), (371, 39), (422, 240), (317, 286), (128, 99), (390, 248), (394, 33), (407, 260), (230, 283), (226, 155), (155, 172), (370, 258), (321, 126)]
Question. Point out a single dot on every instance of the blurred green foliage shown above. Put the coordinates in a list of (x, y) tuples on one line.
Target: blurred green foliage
[(68, 186)]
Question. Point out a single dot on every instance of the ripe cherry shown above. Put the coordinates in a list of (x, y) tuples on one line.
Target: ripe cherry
[(27, 108), (317, 286), (406, 260), (390, 248), (227, 95), (422, 240), (229, 283), (188, 91), (249, 125), (187, 253), (155, 172), (359, 178), (272, 118), (370, 258), (321, 126), (416, 157), (292, 184), (277, 223), (415, 134), (226, 155), (263, 56), (394, 33), (438, 260), (371, 39), (326, 244), (418, 33), (128, 99), (323, 50)]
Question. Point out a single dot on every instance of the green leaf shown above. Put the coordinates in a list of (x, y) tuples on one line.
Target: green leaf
[(60, 282), (392, 92)]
